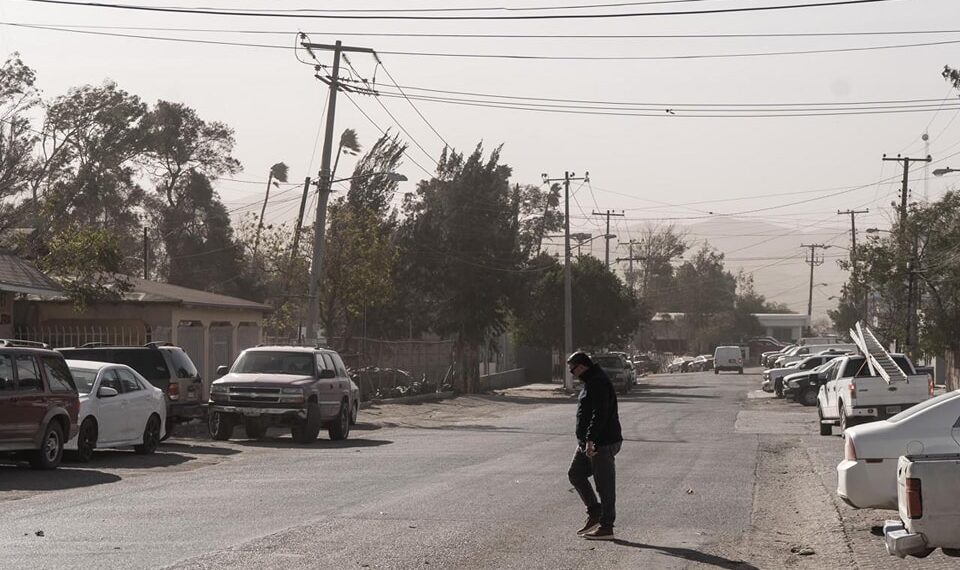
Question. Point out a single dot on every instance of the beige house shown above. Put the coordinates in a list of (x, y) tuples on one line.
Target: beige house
[(211, 328)]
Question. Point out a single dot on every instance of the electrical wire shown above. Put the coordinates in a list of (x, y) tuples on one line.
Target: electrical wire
[(602, 15), (415, 108), (469, 9)]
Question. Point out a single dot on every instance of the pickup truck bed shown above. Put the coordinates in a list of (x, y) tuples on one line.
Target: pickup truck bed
[(929, 507)]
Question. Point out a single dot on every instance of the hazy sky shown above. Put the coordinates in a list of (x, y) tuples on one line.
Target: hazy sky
[(668, 166)]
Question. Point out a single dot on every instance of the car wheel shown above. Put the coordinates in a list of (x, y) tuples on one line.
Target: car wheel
[(86, 440), (51, 448), (825, 429), (306, 431), (354, 413), (340, 428), (220, 425), (844, 422), (255, 427), (808, 397), (151, 436)]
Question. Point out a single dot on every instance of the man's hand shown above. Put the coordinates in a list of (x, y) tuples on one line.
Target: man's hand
[(591, 449)]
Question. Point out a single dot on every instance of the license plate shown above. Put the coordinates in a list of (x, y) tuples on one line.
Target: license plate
[(251, 413), (893, 409)]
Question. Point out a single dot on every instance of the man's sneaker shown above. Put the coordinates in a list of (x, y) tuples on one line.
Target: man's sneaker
[(591, 524), (600, 533)]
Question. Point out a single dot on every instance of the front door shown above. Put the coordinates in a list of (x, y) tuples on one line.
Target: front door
[(9, 409), (111, 411)]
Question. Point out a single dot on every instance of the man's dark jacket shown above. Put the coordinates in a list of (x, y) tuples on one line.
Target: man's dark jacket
[(597, 418)]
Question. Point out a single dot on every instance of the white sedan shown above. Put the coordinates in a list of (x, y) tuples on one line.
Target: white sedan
[(867, 477), (118, 408)]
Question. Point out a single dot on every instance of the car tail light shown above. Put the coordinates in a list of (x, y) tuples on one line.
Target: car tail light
[(853, 389), (173, 391), (849, 449), (914, 499)]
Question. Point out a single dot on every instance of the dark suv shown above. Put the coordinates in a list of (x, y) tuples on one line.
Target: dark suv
[(38, 403), (305, 388), (166, 366)]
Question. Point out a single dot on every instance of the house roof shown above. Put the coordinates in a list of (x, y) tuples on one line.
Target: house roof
[(20, 276), (153, 292)]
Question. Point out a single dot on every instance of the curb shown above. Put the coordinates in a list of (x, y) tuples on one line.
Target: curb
[(419, 398)]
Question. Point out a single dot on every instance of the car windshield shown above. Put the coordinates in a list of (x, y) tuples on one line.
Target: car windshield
[(263, 362), (608, 362), (84, 379), (913, 410)]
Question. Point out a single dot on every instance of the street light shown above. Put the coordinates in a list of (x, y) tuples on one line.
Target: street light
[(942, 171), (877, 231)]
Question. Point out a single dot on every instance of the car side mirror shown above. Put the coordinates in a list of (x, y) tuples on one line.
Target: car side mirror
[(822, 376), (222, 370), (327, 373), (107, 392)]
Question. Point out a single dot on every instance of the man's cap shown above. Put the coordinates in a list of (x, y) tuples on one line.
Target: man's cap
[(578, 358)]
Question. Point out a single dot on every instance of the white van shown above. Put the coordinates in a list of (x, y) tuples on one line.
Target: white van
[(727, 358)]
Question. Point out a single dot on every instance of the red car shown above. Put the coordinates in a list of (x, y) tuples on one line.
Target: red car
[(38, 403)]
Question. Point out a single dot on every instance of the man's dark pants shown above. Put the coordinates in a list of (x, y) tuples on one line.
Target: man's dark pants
[(602, 467)]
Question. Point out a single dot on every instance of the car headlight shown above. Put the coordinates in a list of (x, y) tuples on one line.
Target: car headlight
[(219, 389), (296, 391), (291, 395)]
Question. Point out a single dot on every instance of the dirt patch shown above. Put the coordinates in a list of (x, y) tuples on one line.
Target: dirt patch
[(794, 523)]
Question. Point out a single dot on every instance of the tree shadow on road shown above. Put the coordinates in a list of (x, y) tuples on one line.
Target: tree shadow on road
[(320, 443), (692, 555)]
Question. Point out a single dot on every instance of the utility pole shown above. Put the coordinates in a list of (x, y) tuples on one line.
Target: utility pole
[(853, 248), (909, 266), (606, 236), (567, 275), (325, 180), (629, 258), (814, 261)]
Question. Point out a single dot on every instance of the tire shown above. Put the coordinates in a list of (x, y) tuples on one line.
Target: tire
[(808, 397), (340, 428), (86, 440), (220, 425), (825, 429), (51, 448), (354, 413), (169, 430), (844, 421), (306, 431), (151, 436), (255, 427)]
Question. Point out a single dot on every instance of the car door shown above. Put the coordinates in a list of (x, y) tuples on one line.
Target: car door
[(138, 405), (9, 402), (329, 387), (111, 410), (831, 390), (31, 401)]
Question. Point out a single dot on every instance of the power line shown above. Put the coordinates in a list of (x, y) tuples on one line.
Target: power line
[(77, 30), (603, 15), (400, 89), (286, 32)]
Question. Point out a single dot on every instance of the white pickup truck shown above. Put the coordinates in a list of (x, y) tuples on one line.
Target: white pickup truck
[(853, 394), (929, 507)]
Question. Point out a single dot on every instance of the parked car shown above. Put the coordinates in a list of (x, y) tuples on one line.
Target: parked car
[(767, 358), (767, 384), (118, 408), (167, 367), (801, 352), (867, 476), (928, 505), (304, 388), (679, 364), (727, 358), (776, 376), (803, 386), (702, 363), (38, 403), (643, 364), (617, 368)]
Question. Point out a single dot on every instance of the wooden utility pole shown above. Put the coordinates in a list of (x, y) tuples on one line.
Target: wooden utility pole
[(567, 275), (814, 261), (325, 181), (607, 237), (853, 250)]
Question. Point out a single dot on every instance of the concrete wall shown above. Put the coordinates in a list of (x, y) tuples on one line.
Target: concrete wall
[(501, 380)]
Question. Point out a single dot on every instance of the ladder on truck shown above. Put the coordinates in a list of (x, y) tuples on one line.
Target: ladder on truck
[(880, 362)]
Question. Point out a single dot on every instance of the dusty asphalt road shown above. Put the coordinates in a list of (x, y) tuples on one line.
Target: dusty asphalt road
[(414, 487)]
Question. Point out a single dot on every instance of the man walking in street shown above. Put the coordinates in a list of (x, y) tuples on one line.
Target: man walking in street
[(598, 442)]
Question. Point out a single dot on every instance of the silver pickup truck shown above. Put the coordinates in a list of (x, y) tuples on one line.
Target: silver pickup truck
[(929, 507)]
